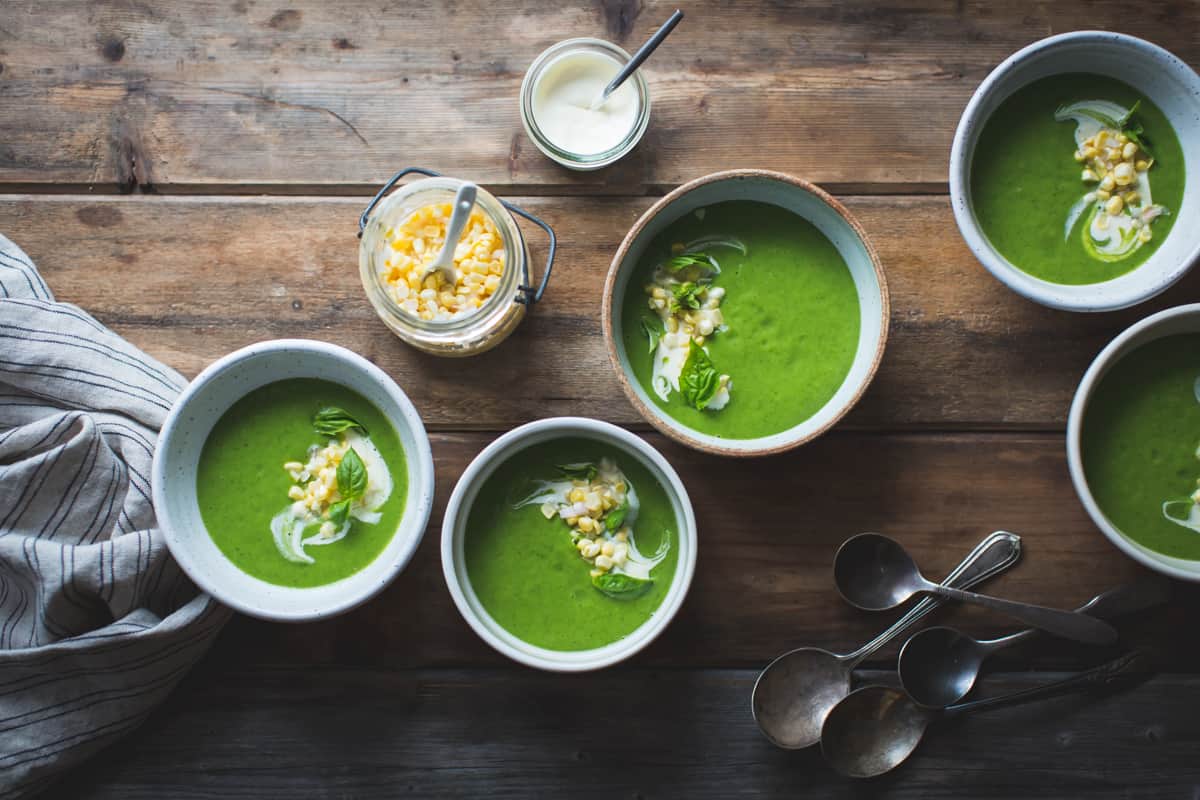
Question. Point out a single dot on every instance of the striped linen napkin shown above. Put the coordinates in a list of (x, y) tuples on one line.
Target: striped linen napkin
[(97, 622)]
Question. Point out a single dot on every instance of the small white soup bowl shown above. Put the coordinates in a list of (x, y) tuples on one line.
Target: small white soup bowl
[(805, 200), (1168, 82), (182, 438), (1181, 319), (458, 512)]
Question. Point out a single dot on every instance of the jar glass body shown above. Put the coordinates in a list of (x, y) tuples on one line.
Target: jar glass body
[(462, 336), (582, 161)]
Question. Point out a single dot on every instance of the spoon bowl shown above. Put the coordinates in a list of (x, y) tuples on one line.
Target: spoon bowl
[(938, 666), (874, 573), (794, 693), (872, 731)]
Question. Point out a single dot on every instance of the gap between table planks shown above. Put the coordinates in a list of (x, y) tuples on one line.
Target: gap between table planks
[(215, 273), (234, 95), (274, 731)]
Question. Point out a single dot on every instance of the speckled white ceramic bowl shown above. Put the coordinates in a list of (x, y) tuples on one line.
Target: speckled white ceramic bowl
[(830, 218), (182, 438), (458, 511), (1168, 82), (1181, 319)]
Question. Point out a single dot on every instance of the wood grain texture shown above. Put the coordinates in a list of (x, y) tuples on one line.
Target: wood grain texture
[(768, 533), (190, 279), (161, 96), (256, 731)]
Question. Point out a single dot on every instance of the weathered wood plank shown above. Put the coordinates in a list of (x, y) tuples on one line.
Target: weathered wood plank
[(251, 731), (166, 96), (768, 533), (190, 279)]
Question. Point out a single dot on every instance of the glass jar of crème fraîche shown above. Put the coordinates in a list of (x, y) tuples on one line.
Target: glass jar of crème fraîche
[(403, 230)]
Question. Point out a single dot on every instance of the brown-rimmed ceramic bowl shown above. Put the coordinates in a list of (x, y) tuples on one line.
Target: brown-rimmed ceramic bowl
[(828, 216)]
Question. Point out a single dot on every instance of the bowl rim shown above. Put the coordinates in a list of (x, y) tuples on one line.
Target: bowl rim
[(420, 469), (653, 416), (492, 457), (1113, 352), (1065, 297)]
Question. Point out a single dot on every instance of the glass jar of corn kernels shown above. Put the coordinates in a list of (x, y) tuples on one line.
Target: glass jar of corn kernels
[(494, 285)]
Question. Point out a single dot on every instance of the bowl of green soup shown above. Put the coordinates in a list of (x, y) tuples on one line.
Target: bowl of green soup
[(569, 544), (1133, 441), (1069, 174), (745, 313), (292, 480)]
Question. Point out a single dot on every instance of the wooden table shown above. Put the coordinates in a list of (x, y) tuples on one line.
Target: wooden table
[(191, 173)]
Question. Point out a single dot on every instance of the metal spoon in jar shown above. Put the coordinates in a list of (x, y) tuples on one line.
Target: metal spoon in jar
[(636, 61), (875, 573), (938, 666), (876, 728), (794, 693), (464, 201)]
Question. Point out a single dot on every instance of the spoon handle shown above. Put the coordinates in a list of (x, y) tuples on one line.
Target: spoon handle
[(993, 555), (464, 201), (1140, 595), (1132, 666), (642, 54), (1067, 624)]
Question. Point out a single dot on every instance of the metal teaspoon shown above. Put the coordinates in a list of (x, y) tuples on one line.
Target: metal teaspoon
[(938, 666), (874, 572)]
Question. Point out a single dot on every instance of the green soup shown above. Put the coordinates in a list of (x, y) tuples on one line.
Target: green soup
[(1026, 180), (530, 576), (792, 312), (1139, 444), (241, 483)]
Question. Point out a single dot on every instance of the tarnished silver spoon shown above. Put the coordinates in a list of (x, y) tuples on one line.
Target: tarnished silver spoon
[(794, 693), (874, 573), (938, 666), (876, 728)]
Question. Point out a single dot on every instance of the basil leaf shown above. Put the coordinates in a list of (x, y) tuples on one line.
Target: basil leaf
[(582, 471), (339, 512), (685, 294), (617, 516), (331, 420), (1123, 121), (699, 380), (651, 333), (351, 475), (681, 262), (620, 586)]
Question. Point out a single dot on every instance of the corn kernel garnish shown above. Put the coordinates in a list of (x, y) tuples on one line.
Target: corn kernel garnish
[(602, 532), (479, 260)]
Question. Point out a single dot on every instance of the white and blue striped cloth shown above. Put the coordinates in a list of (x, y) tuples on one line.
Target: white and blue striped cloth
[(97, 623)]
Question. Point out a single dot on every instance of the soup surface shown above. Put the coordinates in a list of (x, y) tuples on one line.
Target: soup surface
[(525, 564), (243, 484), (1041, 184), (788, 316), (1140, 442)]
